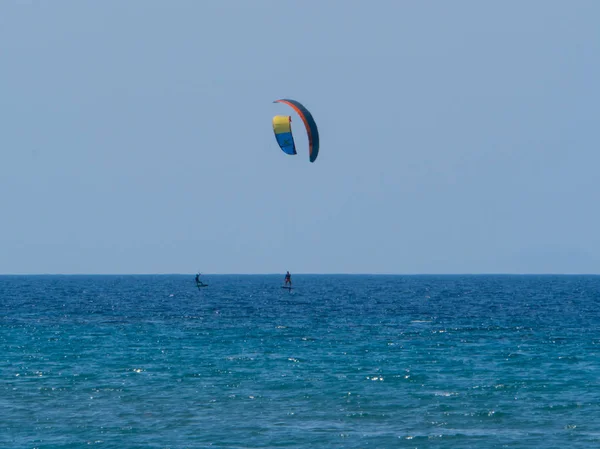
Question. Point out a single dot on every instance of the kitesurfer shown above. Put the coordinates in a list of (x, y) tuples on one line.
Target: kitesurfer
[(288, 279)]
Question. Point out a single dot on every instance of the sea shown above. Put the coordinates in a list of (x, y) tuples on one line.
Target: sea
[(340, 361)]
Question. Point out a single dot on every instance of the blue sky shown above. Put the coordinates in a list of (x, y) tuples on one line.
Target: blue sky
[(456, 137)]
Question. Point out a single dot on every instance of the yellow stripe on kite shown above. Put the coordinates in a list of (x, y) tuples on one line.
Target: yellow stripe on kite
[(281, 124)]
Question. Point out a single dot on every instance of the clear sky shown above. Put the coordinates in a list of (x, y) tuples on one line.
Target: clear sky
[(456, 137)]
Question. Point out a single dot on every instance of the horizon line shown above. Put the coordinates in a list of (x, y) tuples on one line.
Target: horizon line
[(311, 274)]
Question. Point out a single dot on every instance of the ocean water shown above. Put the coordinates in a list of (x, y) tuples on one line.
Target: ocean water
[(339, 362)]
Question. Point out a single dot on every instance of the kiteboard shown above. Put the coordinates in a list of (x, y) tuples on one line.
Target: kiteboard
[(287, 288), (201, 285)]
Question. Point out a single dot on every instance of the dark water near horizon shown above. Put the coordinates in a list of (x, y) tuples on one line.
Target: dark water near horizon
[(340, 362)]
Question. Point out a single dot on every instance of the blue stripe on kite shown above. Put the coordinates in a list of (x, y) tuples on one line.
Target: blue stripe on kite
[(286, 142)]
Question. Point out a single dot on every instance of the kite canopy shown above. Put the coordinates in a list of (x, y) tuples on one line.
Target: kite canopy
[(309, 123)]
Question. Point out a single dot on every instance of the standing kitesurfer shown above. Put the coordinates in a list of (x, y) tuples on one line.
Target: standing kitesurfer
[(288, 279)]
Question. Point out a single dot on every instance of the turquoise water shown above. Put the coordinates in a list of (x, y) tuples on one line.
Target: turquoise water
[(340, 362)]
